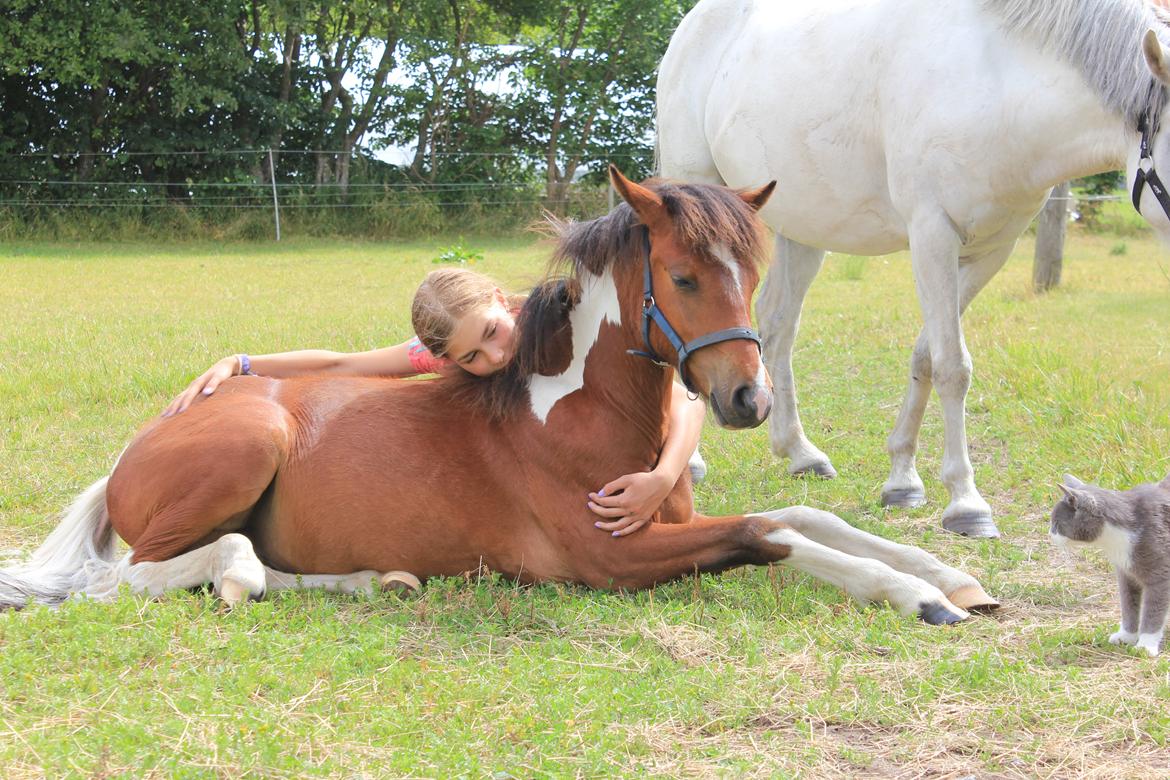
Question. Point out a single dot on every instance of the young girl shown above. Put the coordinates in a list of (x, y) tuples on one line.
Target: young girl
[(461, 318)]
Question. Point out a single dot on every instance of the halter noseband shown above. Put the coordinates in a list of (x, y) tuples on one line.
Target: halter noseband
[(1148, 175), (652, 314)]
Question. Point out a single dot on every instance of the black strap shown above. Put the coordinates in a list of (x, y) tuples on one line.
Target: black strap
[(1148, 176)]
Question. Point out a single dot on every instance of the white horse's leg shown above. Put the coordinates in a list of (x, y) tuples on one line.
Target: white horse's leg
[(866, 579), (778, 309), (934, 254), (229, 564), (826, 528), (904, 487)]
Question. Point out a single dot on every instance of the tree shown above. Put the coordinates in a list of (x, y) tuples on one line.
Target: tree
[(586, 87)]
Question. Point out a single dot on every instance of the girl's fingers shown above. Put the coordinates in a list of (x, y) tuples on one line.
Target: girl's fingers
[(606, 511), (634, 526), (613, 502), (621, 483)]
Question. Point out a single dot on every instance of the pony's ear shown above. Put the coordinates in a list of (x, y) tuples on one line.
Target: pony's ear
[(1156, 57), (1072, 481), (756, 198), (642, 200)]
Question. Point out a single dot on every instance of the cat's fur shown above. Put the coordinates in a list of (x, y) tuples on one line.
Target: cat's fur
[(1132, 528)]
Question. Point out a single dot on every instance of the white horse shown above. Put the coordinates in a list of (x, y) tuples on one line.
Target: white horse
[(895, 123)]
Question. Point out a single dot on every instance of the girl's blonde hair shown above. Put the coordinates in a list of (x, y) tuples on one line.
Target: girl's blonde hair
[(444, 298)]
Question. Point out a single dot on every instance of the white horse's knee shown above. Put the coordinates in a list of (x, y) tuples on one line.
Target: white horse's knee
[(952, 378)]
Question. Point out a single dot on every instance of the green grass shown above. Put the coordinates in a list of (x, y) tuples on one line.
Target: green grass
[(756, 672)]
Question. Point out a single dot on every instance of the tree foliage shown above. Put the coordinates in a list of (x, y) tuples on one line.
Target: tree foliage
[(105, 92)]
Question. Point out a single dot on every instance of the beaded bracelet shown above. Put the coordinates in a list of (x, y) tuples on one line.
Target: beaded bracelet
[(245, 365)]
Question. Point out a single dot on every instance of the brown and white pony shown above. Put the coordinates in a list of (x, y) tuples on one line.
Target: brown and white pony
[(329, 482)]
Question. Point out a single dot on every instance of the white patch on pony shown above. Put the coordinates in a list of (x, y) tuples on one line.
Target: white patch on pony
[(598, 304), (722, 253)]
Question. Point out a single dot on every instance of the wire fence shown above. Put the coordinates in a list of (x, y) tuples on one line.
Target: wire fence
[(321, 191)]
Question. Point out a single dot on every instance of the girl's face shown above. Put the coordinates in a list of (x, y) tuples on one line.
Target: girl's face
[(481, 343)]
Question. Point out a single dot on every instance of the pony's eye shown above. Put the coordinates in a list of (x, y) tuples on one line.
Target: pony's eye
[(683, 283)]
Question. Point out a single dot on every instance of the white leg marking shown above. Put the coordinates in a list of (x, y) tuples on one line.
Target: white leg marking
[(828, 529), (229, 564), (360, 581), (862, 578), (598, 304)]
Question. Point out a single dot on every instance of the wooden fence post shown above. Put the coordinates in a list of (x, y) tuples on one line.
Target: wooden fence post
[(1051, 226)]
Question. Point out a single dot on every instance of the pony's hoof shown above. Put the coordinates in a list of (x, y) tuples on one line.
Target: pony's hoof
[(402, 583), (820, 468), (904, 498), (973, 599), (938, 613), (977, 525), (234, 592)]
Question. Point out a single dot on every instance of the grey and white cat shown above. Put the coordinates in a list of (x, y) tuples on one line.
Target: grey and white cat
[(1132, 528)]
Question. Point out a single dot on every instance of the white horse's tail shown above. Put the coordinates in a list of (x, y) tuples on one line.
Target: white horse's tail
[(78, 557)]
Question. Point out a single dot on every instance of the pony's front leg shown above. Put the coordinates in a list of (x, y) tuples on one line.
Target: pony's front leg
[(778, 309), (867, 579), (826, 528), (934, 254), (663, 552)]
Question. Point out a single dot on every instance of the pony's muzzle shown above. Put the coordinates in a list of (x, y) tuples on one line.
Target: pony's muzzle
[(745, 407)]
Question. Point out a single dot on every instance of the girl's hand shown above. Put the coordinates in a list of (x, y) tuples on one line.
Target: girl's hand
[(630, 501), (204, 384)]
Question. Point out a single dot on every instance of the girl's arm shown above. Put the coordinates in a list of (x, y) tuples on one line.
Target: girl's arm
[(388, 361), (632, 499)]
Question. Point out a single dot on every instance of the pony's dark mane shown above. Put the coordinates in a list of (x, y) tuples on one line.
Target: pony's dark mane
[(703, 216)]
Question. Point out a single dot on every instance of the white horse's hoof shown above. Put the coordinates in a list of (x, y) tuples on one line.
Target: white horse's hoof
[(975, 524), (904, 498), (816, 468)]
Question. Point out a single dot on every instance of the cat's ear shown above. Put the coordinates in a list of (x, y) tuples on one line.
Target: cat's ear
[(1072, 481), (1079, 498), (1166, 482)]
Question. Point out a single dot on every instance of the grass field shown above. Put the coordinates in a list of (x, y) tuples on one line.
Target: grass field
[(756, 672)]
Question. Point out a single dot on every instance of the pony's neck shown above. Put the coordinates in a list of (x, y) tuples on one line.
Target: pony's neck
[(623, 390)]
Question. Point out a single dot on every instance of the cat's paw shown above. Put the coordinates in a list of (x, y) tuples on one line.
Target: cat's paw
[(1149, 643), (1123, 638)]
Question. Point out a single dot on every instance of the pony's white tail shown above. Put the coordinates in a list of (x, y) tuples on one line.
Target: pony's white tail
[(76, 558)]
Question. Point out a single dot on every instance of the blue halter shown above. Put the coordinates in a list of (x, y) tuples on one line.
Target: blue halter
[(651, 314)]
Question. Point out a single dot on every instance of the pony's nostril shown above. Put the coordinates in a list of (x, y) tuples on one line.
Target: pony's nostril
[(752, 402)]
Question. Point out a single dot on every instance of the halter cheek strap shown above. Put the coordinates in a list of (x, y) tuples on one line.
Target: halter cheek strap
[(651, 314), (1147, 175)]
